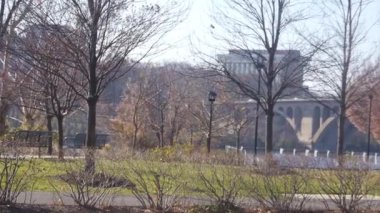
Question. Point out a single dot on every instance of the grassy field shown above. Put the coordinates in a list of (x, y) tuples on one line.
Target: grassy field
[(194, 179), (155, 178)]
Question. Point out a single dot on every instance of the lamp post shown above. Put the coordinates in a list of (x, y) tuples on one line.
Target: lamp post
[(370, 96), (211, 98), (259, 66)]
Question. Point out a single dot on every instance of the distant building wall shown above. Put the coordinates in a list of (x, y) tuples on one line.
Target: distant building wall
[(289, 64)]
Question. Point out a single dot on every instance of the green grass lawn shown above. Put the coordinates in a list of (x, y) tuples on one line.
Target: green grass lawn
[(192, 179)]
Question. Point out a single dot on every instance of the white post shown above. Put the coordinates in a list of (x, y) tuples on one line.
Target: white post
[(281, 151), (375, 158), (328, 153), (352, 153), (294, 152), (242, 150), (364, 156), (315, 153), (307, 152)]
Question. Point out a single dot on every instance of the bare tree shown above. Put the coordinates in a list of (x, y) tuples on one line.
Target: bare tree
[(340, 60), (131, 119), (103, 35), (240, 121), (37, 49), (167, 102), (199, 110), (31, 99), (250, 25), (11, 15), (156, 104), (167, 107)]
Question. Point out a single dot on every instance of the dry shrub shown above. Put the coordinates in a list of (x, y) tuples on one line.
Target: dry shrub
[(157, 186), (275, 188), (17, 173), (89, 190), (347, 186), (221, 184)]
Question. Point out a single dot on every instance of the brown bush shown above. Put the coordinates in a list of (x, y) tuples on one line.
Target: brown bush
[(157, 187), (89, 190), (347, 186), (275, 188)]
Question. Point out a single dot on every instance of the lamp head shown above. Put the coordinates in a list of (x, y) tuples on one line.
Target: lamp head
[(212, 96)]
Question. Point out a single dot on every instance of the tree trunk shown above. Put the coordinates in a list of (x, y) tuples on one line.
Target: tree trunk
[(158, 139), (5, 93), (91, 136), (238, 142), (136, 129), (172, 135), (162, 129), (342, 112), (4, 106), (270, 103), (191, 136), (49, 127), (341, 122), (134, 138), (269, 128), (60, 137), (93, 84)]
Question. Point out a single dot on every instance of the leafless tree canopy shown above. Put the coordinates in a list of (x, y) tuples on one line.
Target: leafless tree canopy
[(39, 74), (339, 61), (12, 13), (99, 37), (253, 30), (8, 11), (104, 34)]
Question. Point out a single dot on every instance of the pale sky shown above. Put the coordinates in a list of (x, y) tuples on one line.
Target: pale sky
[(195, 32)]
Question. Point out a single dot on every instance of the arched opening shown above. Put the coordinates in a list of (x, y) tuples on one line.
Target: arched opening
[(289, 112), (316, 119), (325, 114), (279, 119), (284, 136), (327, 138)]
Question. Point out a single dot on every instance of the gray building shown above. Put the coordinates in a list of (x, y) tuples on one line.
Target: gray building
[(289, 66)]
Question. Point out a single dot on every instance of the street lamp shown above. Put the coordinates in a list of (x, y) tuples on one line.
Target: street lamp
[(211, 98), (259, 65), (370, 96)]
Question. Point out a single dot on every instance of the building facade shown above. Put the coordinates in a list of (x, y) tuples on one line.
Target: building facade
[(289, 68)]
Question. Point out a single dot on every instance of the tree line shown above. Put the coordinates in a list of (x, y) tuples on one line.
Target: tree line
[(58, 56)]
